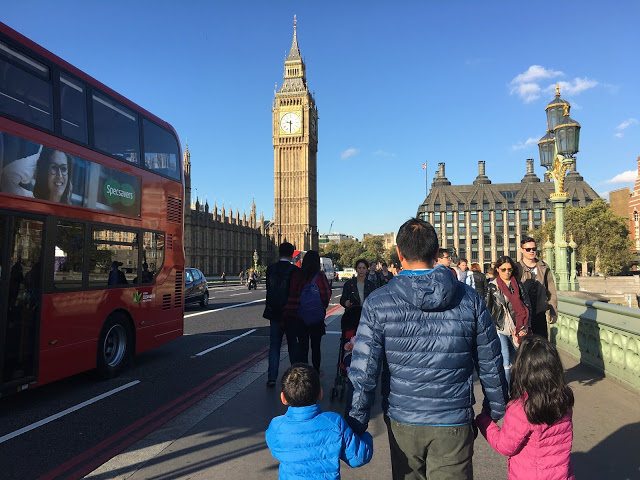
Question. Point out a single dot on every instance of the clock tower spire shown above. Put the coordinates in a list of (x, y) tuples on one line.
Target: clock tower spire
[(295, 147)]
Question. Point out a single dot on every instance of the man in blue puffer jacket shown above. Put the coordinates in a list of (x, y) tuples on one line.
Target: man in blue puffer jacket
[(427, 332)]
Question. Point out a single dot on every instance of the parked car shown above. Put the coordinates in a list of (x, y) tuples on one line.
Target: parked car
[(195, 287)]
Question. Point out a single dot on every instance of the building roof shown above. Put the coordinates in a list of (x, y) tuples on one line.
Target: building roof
[(530, 192)]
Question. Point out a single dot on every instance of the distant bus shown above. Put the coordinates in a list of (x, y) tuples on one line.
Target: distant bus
[(91, 222)]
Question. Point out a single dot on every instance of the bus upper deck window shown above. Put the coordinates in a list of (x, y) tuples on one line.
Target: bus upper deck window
[(25, 89), (73, 106), (160, 150), (115, 129)]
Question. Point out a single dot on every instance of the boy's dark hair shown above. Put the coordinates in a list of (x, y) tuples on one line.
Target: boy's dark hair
[(362, 260), (417, 241), (286, 249), (301, 385), (527, 239), (537, 371), (442, 251)]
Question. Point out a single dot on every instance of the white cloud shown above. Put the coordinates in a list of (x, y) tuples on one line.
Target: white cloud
[(522, 145), (625, 177), (624, 125), (627, 123), (525, 84), (578, 85), (382, 153), (535, 72), (349, 152), (604, 195)]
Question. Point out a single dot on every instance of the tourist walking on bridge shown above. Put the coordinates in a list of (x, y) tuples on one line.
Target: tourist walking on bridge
[(508, 304), (427, 333), (278, 278), (537, 430), (538, 281), (309, 295)]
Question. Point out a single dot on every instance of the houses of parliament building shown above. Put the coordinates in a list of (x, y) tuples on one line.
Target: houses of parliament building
[(217, 241)]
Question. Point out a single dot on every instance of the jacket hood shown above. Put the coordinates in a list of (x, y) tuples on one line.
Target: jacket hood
[(432, 290)]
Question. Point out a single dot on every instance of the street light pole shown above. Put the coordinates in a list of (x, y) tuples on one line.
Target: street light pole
[(557, 148)]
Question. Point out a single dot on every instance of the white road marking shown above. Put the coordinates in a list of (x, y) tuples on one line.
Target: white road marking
[(236, 294), (225, 343), (223, 308), (33, 426)]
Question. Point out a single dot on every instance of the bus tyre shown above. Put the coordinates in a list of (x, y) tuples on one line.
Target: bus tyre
[(115, 346), (205, 300)]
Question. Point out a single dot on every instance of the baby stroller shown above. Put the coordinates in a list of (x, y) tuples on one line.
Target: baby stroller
[(348, 325)]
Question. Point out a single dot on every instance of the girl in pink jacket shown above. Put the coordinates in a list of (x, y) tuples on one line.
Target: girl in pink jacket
[(537, 431)]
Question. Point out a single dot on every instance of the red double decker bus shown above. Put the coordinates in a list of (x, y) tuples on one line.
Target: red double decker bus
[(91, 222)]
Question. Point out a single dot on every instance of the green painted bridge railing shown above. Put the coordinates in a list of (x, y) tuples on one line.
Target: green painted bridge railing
[(604, 336)]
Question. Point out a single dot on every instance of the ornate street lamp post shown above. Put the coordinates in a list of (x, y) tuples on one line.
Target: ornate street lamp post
[(557, 149), (255, 260)]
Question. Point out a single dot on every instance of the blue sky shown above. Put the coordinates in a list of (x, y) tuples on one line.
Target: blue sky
[(397, 84)]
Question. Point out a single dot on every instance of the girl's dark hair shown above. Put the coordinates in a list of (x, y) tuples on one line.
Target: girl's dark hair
[(361, 260), (310, 264), (538, 374), (301, 385), (41, 186)]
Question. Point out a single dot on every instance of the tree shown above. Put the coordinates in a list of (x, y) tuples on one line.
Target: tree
[(350, 251), (375, 246), (601, 235), (330, 250), (391, 257)]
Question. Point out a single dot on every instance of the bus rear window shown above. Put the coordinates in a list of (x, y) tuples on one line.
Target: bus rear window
[(160, 150), (25, 93), (115, 129)]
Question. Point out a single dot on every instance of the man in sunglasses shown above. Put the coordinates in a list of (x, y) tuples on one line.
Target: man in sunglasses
[(537, 279)]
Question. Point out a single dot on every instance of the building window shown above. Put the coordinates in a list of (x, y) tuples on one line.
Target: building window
[(473, 216), (486, 216), (498, 215), (537, 215), (449, 217), (486, 228)]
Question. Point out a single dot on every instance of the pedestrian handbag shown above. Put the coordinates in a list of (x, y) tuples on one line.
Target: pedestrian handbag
[(311, 309)]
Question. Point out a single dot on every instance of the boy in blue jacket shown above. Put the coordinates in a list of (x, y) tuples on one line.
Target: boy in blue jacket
[(309, 443)]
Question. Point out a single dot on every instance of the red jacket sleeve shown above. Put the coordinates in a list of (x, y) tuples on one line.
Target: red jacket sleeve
[(325, 289)]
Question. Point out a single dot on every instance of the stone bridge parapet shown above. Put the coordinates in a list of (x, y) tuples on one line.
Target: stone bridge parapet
[(601, 335)]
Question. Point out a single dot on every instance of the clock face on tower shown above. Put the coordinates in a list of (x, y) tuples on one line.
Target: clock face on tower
[(290, 122)]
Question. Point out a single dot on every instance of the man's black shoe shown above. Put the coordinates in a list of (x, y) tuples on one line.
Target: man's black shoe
[(271, 383)]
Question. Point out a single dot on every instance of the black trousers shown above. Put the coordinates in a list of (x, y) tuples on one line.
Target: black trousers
[(539, 324), (315, 338)]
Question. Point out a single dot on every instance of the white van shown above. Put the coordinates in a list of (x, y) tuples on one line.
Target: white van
[(326, 265)]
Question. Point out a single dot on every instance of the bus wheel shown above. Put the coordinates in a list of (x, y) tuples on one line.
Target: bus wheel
[(114, 346)]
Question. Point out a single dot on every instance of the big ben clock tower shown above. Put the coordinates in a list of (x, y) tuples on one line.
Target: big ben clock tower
[(295, 147)]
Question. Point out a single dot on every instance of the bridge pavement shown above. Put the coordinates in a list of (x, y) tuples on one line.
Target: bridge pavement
[(223, 436)]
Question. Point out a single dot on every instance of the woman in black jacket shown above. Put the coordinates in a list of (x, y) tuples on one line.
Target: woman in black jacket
[(510, 309), (354, 293)]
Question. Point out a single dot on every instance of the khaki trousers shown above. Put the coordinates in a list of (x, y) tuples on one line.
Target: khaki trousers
[(434, 453)]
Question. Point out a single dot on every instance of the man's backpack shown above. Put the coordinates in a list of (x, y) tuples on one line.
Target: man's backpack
[(311, 308)]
